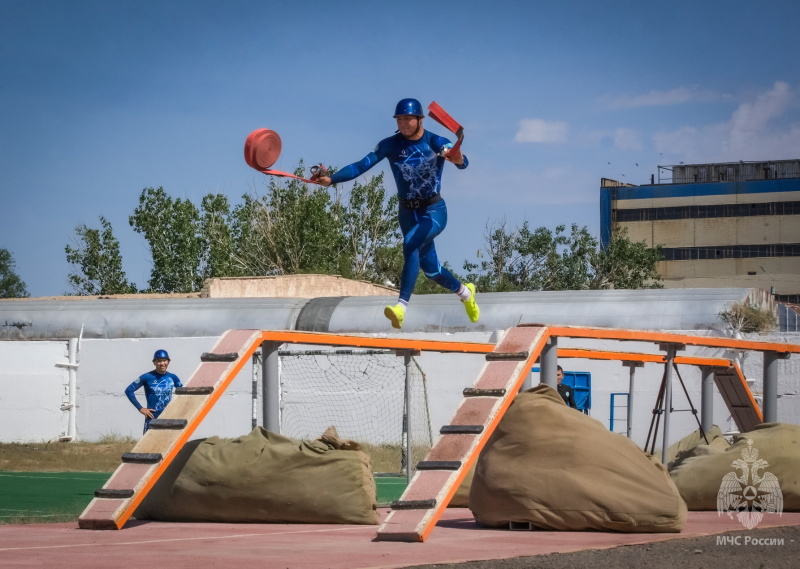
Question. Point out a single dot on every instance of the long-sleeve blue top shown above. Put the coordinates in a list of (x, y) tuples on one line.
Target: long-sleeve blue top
[(416, 164), (157, 389)]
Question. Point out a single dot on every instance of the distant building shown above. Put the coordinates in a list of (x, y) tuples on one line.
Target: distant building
[(721, 225)]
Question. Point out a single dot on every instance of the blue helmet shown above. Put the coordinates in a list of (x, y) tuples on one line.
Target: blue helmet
[(408, 107), (161, 355)]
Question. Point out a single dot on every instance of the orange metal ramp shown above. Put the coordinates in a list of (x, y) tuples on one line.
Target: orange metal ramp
[(115, 503), (737, 396), (438, 476)]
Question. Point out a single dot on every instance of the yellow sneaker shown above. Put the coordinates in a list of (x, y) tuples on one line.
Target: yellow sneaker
[(395, 314), (471, 306)]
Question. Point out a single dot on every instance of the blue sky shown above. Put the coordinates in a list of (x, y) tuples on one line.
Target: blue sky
[(100, 99)]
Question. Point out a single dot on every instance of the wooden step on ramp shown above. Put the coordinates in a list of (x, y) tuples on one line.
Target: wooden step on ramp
[(437, 477), (116, 502), (738, 397)]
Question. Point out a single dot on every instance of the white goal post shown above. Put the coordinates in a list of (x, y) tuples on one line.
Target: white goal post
[(375, 391)]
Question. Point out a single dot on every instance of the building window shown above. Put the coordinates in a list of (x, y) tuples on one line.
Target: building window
[(730, 252), (706, 211)]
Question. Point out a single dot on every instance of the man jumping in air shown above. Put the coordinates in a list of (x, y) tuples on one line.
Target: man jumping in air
[(416, 157)]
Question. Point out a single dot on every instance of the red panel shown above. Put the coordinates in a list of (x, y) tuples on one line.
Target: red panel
[(234, 341), (452, 447), (101, 514), (475, 411), (403, 525), (498, 375), (427, 484), (127, 476), (208, 374), (519, 339)]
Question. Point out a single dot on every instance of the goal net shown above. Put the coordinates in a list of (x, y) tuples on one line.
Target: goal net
[(363, 393)]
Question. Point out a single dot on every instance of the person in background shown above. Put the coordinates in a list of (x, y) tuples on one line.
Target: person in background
[(565, 391), (158, 385)]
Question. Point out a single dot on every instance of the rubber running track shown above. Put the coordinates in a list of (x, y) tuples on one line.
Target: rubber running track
[(456, 538)]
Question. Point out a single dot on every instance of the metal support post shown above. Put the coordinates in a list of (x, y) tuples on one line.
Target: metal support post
[(548, 365), (667, 401), (707, 399), (632, 366), (407, 416), (770, 409), (527, 383), (256, 363), (271, 387)]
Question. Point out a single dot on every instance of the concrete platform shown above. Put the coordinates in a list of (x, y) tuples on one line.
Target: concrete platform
[(456, 538)]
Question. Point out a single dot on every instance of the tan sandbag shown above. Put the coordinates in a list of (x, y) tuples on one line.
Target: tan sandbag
[(267, 478), (693, 440), (558, 469), (461, 498), (699, 473)]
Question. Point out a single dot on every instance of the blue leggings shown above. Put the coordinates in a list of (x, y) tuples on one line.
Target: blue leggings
[(419, 228)]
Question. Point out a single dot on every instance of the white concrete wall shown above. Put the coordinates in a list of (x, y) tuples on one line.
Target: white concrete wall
[(108, 366), (33, 388), (32, 391)]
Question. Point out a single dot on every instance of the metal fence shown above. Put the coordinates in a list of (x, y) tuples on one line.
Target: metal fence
[(728, 172), (788, 318)]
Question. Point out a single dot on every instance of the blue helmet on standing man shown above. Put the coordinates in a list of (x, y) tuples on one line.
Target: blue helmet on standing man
[(161, 355), (408, 107)]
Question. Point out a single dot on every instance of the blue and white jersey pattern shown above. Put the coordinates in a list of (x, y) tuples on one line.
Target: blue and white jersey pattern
[(157, 389), (416, 164)]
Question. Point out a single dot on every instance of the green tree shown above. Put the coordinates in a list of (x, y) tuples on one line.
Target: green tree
[(292, 229), (299, 228), (96, 254), (624, 264), (11, 286), (387, 265), (497, 259), (371, 228), (521, 259), (216, 238), (171, 228)]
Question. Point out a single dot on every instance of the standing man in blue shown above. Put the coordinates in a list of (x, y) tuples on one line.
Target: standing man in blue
[(158, 385), (416, 157)]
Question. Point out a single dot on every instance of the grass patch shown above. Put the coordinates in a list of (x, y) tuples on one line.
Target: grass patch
[(105, 455), (102, 456), (46, 497), (384, 458), (52, 482), (388, 458)]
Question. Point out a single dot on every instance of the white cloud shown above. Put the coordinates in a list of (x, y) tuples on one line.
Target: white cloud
[(619, 138), (542, 131), (752, 133), (654, 98), (751, 119), (627, 139)]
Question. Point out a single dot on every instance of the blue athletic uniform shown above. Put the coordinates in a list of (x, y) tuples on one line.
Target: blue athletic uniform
[(157, 391), (417, 169)]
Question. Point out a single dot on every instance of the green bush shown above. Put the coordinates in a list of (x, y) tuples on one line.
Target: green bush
[(744, 317)]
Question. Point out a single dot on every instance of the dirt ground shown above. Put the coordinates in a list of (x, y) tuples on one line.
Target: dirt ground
[(752, 549)]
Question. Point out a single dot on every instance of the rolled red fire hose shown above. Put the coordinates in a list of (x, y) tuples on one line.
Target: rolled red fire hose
[(262, 149)]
